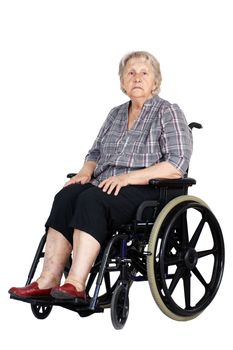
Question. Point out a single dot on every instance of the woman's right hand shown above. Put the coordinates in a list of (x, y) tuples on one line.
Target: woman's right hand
[(81, 178)]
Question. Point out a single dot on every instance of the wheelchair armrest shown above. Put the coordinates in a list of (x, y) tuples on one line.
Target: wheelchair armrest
[(70, 175), (172, 183)]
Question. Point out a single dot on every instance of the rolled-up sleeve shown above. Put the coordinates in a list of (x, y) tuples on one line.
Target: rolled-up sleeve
[(94, 153), (176, 137)]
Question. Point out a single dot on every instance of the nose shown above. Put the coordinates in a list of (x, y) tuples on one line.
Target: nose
[(137, 77)]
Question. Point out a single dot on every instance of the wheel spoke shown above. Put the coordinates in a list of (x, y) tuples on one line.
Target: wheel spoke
[(197, 233), (200, 277), (205, 253), (184, 230), (175, 260), (187, 291), (177, 276)]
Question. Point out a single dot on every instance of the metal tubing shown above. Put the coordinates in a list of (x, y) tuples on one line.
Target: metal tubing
[(36, 259), (103, 267)]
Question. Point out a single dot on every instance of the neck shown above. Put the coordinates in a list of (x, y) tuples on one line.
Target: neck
[(137, 103)]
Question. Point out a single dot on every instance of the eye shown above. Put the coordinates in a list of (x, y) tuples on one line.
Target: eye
[(144, 73), (131, 73)]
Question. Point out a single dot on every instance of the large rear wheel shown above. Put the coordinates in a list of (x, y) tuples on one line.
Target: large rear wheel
[(186, 265)]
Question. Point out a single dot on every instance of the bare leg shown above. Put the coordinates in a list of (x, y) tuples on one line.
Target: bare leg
[(85, 251), (57, 251)]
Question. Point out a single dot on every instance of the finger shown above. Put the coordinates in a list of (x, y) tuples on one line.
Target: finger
[(67, 184), (70, 182), (106, 186), (111, 188), (102, 183), (117, 190), (109, 185)]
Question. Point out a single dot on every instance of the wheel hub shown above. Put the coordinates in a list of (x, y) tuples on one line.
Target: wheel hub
[(191, 258)]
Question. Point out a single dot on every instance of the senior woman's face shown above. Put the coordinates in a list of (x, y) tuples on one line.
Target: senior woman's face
[(138, 78)]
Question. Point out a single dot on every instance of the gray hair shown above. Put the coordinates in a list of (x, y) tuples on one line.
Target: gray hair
[(148, 56)]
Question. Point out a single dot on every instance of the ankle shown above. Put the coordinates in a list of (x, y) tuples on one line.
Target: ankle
[(46, 281), (80, 286)]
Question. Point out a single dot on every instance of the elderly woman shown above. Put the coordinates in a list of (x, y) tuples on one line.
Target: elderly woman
[(144, 138)]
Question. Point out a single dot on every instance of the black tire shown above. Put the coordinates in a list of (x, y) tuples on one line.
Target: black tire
[(41, 311), (176, 257), (120, 306)]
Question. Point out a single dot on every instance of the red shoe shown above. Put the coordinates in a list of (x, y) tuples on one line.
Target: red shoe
[(31, 290), (68, 292)]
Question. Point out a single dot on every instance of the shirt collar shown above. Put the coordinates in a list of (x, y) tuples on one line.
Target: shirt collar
[(152, 101), (149, 103)]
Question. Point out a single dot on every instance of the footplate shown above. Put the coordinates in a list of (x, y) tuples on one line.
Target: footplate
[(76, 305)]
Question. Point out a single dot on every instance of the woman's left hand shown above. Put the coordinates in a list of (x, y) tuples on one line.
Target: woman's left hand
[(114, 182)]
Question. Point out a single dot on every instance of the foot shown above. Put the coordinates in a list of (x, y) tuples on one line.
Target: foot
[(31, 290), (47, 281), (68, 292), (76, 283)]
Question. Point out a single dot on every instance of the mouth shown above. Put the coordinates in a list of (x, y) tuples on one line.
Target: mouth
[(137, 87)]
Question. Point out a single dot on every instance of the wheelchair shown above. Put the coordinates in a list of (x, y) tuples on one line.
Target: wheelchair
[(175, 243)]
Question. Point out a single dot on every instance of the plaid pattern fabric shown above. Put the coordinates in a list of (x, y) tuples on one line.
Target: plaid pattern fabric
[(159, 134)]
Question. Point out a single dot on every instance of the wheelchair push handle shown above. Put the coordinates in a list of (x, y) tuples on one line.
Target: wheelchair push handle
[(195, 125)]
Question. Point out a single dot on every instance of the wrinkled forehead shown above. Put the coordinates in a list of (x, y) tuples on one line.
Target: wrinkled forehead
[(138, 62)]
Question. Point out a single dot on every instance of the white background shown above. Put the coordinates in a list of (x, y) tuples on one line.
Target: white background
[(59, 65)]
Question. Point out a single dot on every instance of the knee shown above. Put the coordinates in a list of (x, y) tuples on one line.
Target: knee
[(89, 199), (64, 196), (60, 195)]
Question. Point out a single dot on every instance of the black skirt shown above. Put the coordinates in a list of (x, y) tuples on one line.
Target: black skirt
[(89, 209)]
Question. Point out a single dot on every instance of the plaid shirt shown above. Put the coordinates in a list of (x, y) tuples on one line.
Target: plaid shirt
[(159, 134)]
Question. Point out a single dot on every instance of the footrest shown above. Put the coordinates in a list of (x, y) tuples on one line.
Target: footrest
[(74, 305), (34, 300)]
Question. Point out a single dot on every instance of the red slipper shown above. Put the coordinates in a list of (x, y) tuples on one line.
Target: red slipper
[(31, 290), (68, 292)]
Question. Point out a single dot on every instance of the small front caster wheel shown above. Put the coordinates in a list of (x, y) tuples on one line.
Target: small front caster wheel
[(120, 306), (41, 311)]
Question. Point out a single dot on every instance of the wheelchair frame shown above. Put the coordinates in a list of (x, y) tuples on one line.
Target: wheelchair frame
[(155, 242)]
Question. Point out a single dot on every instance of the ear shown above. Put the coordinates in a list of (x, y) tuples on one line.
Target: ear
[(154, 87), (122, 86)]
